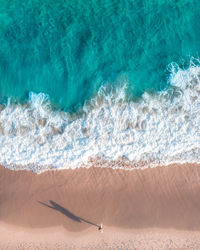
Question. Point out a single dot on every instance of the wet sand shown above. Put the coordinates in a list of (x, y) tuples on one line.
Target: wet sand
[(146, 203)]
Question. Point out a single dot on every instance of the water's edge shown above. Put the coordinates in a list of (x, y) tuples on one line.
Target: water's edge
[(158, 130)]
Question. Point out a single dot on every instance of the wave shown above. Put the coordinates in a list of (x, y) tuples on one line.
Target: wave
[(159, 129)]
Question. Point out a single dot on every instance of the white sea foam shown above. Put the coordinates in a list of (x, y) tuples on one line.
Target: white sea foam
[(158, 130)]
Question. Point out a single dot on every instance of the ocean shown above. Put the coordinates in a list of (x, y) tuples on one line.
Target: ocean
[(101, 80)]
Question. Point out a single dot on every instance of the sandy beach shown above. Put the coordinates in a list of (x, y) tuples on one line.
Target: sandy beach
[(146, 209)]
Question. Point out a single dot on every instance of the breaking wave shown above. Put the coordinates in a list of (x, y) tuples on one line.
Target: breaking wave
[(159, 129)]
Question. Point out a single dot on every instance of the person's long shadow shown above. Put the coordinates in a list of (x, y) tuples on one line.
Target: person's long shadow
[(67, 213)]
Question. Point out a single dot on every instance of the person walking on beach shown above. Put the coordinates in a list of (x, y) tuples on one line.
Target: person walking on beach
[(101, 228)]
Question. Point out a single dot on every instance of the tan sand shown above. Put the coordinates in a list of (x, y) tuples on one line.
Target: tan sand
[(139, 208)]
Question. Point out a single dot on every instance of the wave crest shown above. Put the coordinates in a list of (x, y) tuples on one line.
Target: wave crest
[(158, 130)]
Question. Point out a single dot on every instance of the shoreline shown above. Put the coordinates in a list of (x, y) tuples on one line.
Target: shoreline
[(75, 202), (121, 164)]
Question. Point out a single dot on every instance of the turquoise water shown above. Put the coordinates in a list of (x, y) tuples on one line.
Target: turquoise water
[(68, 49), (110, 83)]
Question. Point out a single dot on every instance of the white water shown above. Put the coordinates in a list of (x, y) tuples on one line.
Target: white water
[(159, 130)]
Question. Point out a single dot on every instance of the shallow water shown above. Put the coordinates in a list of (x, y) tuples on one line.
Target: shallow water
[(68, 49), (106, 78)]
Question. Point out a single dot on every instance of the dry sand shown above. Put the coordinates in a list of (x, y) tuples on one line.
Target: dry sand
[(155, 208)]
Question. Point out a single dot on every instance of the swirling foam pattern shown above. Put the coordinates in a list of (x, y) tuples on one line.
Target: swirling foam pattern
[(157, 130), (95, 79)]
